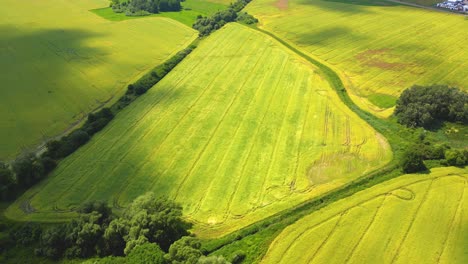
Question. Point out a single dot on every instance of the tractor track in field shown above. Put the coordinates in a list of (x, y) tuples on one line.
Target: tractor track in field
[(395, 257), (227, 212), (455, 216), (149, 157), (384, 196), (218, 125)]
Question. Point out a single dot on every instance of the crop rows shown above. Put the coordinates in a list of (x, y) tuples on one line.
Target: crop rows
[(379, 49), (58, 66), (239, 130), (413, 218)]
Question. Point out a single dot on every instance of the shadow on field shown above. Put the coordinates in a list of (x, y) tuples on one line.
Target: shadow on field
[(328, 36), (346, 6), (41, 56)]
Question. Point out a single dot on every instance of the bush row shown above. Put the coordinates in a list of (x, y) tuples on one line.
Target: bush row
[(206, 25)]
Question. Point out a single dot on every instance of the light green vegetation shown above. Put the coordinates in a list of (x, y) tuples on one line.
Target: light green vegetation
[(188, 15), (410, 219), (382, 100), (241, 129), (59, 61), (377, 47)]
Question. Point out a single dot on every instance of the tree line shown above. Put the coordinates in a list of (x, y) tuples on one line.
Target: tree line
[(144, 7), (150, 230), (206, 25), (29, 168)]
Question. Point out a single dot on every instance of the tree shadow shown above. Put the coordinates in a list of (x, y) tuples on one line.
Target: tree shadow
[(328, 36), (42, 73)]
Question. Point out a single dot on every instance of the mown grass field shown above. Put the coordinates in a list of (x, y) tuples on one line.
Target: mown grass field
[(190, 10), (411, 219), (241, 129), (378, 47), (59, 61)]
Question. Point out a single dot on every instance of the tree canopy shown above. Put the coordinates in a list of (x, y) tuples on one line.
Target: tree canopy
[(422, 106)]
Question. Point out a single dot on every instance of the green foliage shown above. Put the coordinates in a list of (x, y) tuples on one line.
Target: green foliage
[(146, 253), (422, 106), (244, 17), (238, 257), (412, 161), (149, 80), (206, 25), (28, 170), (185, 251), (148, 219), (456, 157), (145, 7), (7, 182)]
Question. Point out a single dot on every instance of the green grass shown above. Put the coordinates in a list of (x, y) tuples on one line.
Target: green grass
[(410, 219), (376, 47), (383, 100), (231, 152), (57, 66), (188, 15)]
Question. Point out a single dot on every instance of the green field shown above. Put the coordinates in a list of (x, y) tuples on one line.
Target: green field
[(241, 129), (377, 47), (190, 10), (59, 61), (411, 219)]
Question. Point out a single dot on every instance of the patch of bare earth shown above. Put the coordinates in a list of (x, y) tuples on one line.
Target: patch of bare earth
[(282, 4), (378, 59)]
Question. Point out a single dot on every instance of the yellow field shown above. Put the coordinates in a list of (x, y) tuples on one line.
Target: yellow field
[(58, 61), (379, 48), (241, 129), (411, 219)]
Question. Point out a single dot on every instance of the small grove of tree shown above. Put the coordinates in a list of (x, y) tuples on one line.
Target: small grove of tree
[(413, 158), (147, 219), (97, 232), (144, 7), (422, 106), (206, 25)]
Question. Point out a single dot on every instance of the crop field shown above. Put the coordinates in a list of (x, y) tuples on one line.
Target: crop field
[(379, 48), (241, 129), (411, 219), (59, 61)]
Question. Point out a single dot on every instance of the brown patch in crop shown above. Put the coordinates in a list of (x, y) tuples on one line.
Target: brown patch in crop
[(379, 59), (282, 4)]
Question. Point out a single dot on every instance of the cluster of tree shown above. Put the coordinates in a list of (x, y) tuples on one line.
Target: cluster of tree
[(149, 80), (144, 7), (150, 230), (25, 171), (206, 25), (422, 106), (415, 155)]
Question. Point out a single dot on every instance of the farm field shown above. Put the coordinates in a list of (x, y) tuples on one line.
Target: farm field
[(59, 61), (410, 219), (239, 130), (379, 48)]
